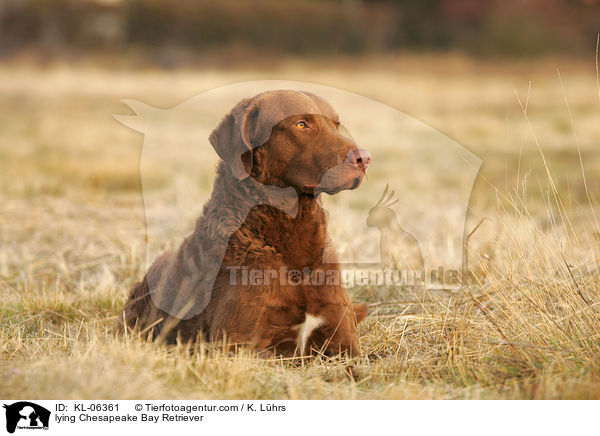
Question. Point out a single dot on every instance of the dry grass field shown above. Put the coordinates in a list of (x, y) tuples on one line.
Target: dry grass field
[(526, 325)]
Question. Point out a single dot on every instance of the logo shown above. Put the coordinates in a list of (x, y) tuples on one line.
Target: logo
[(403, 230), (26, 415)]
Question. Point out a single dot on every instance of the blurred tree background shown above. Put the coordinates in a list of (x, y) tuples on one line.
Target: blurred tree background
[(169, 33)]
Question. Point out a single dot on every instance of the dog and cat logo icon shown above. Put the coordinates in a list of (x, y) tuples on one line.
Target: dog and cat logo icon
[(26, 415)]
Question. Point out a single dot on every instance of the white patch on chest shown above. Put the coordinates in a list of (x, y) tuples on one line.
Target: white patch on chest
[(305, 330)]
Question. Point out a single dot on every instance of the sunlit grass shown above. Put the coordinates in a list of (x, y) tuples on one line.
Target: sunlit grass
[(72, 241)]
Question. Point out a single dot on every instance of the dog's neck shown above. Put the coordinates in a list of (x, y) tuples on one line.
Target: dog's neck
[(235, 201), (241, 195)]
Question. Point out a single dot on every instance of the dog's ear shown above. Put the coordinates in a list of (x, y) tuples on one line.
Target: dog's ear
[(232, 138), (360, 311)]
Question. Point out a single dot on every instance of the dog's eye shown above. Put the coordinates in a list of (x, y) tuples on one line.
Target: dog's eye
[(302, 125)]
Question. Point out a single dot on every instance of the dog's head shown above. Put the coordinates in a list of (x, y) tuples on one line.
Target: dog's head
[(290, 139)]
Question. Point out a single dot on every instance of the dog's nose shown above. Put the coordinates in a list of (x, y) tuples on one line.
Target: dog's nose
[(360, 158)]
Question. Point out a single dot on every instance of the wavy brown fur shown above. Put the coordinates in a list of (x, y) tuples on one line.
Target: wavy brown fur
[(255, 220)]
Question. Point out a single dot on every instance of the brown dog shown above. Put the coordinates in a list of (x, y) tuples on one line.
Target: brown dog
[(257, 267)]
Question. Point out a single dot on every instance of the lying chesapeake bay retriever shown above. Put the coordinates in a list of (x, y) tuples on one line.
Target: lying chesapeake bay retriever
[(257, 268)]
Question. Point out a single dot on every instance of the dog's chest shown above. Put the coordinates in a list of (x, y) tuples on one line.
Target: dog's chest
[(305, 329), (303, 242), (298, 239)]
